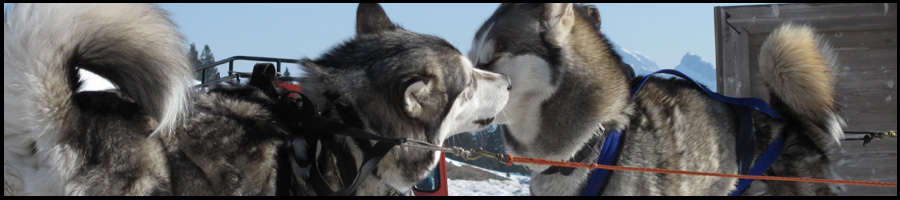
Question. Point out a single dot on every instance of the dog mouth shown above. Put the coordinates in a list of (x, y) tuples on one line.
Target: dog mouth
[(484, 122)]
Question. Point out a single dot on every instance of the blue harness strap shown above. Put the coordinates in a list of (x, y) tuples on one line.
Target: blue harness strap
[(754, 103), (608, 154), (611, 144), (744, 143), (765, 161)]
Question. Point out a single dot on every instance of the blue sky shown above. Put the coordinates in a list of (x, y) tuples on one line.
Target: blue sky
[(663, 32)]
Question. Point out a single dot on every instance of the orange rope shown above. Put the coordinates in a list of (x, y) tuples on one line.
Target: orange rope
[(669, 171)]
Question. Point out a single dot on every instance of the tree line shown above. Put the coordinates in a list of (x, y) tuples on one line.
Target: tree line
[(199, 59)]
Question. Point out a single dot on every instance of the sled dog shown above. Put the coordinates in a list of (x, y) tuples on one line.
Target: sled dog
[(401, 84), (570, 85)]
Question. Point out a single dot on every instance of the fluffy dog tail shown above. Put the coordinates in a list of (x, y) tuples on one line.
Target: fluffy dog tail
[(134, 46), (797, 66)]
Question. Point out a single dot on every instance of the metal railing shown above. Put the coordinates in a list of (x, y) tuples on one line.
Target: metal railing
[(237, 75)]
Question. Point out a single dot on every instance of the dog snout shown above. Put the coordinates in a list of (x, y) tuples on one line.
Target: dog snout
[(508, 81)]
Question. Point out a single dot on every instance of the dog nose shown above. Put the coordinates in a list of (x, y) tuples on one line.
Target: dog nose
[(508, 81)]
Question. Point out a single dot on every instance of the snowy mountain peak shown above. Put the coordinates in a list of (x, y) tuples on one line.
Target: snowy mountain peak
[(694, 59), (691, 64), (639, 62), (698, 69)]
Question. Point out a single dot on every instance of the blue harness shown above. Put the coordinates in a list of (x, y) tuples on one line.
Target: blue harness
[(745, 150)]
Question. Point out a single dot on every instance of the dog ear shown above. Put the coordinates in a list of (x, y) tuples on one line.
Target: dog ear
[(263, 77), (370, 18), (315, 70), (414, 96), (593, 14), (558, 20), (309, 65)]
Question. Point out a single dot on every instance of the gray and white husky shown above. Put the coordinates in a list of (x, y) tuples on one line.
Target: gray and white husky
[(569, 82), (156, 136), (402, 84)]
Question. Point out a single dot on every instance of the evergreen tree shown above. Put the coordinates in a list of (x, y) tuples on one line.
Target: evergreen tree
[(194, 56), (286, 72), (205, 58)]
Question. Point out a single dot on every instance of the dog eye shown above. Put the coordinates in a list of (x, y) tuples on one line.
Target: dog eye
[(487, 65), (416, 78), (410, 81)]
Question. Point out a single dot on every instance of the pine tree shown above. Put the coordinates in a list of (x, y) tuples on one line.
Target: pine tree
[(194, 56), (206, 57), (286, 72)]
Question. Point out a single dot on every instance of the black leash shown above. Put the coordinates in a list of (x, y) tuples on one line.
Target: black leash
[(869, 135)]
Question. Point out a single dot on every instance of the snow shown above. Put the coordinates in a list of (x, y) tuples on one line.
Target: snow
[(632, 54), (517, 186), (490, 187), (93, 82), (638, 53)]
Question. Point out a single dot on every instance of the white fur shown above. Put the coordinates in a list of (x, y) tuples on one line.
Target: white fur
[(531, 78), (487, 100)]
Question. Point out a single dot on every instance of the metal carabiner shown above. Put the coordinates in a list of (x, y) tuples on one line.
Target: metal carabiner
[(480, 152), (892, 134)]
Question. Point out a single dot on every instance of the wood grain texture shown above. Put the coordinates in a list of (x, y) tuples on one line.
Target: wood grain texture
[(865, 39)]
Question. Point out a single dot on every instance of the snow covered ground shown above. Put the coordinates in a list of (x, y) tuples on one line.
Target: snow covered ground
[(516, 185)]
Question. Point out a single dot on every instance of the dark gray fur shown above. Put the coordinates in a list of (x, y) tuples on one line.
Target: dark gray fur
[(226, 147)]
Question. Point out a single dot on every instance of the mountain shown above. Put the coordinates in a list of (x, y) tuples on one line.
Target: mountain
[(691, 65), (698, 69), (641, 64)]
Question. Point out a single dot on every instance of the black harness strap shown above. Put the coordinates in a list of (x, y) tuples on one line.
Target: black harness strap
[(325, 126), (370, 163), (301, 117), (315, 124)]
